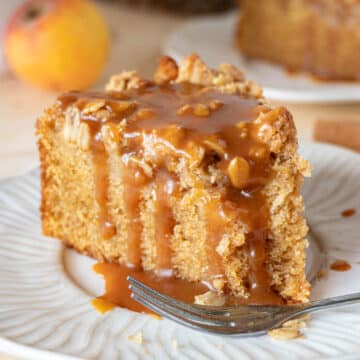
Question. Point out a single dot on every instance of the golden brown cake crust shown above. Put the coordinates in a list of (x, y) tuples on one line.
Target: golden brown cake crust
[(317, 36), (194, 237)]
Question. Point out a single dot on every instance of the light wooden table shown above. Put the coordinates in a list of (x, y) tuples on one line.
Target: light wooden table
[(137, 38)]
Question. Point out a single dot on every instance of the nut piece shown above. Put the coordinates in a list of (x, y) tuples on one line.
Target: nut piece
[(218, 284), (215, 105), (83, 137), (192, 69), (201, 110), (121, 106), (124, 81), (71, 124), (185, 110), (93, 106), (145, 113), (167, 70), (210, 298), (213, 144), (239, 171)]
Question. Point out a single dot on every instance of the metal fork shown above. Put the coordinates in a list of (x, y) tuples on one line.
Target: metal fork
[(243, 320)]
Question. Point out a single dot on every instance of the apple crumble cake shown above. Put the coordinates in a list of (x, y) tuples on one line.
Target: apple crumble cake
[(192, 173), (318, 36)]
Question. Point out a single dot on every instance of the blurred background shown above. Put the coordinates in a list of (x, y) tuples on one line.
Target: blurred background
[(47, 42)]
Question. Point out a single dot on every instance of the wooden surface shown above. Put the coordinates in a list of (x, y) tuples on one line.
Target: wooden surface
[(137, 38)]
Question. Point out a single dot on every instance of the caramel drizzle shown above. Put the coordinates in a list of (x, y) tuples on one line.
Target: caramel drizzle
[(134, 181), (166, 186), (101, 176), (222, 123)]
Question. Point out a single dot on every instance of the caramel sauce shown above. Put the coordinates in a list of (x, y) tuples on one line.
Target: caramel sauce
[(348, 213), (101, 172), (340, 265), (134, 180), (117, 291), (173, 120), (166, 185)]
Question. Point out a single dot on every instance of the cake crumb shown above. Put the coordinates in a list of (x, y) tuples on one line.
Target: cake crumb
[(285, 334), (210, 298), (137, 338), (175, 345), (291, 329)]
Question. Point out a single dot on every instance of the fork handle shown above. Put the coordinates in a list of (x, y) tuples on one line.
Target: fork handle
[(331, 302)]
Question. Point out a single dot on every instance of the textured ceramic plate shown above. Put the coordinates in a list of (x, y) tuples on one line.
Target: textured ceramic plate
[(213, 38), (46, 290)]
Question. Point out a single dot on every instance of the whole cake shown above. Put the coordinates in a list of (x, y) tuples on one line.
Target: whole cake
[(318, 36), (192, 172)]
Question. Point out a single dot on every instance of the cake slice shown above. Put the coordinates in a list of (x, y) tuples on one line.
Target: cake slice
[(318, 36), (193, 172)]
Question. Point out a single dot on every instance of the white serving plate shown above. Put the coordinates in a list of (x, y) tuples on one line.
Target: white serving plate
[(213, 38), (46, 289)]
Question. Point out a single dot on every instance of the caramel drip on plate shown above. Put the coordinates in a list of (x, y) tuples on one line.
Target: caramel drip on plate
[(117, 291), (340, 265), (348, 213)]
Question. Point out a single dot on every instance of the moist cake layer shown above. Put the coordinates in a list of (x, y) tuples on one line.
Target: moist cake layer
[(191, 173)]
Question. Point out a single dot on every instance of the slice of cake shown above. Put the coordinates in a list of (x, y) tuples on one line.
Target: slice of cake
[(319, 36), (192, 172)]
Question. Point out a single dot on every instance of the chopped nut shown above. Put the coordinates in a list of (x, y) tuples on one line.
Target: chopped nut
[(83, 138), (145, 114), (218, 284), (239, 171), (126, 80), (93, 106), (110, 135), (201, 110), (167, 70), (223, 248), (210, 298), (185, 110), (72, 123), (192, 69), (213, 144), (233, 73), (120, 106), (103, 114), (143, 165), (215, 105), (258, 152), (285, 334), (137, 338)]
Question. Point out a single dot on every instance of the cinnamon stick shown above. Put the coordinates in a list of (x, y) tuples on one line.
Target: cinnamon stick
[(345, 134)]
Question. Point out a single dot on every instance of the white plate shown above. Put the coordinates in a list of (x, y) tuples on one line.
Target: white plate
[(213, 38), (46, 290)]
